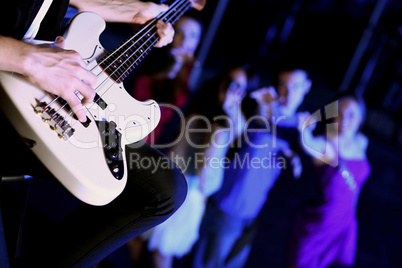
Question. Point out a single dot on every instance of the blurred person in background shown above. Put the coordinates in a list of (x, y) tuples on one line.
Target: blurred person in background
[(251, 161), (218, 98), (325, 234), (295, 187), (164, 77)]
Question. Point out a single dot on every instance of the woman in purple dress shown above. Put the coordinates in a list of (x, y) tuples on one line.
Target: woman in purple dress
[(326, 234)]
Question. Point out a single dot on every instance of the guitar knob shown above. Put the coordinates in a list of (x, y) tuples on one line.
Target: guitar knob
[(114, 155), (115, 169)]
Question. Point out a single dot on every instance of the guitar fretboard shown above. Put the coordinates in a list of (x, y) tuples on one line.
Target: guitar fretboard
[(125, 57)]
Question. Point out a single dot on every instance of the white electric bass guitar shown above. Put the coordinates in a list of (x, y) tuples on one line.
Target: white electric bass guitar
[(89, 158)]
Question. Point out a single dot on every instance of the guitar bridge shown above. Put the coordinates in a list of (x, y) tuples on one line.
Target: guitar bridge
[(56, 122)]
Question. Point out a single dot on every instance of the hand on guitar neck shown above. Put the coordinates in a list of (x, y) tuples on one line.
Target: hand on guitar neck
[(129, 11)]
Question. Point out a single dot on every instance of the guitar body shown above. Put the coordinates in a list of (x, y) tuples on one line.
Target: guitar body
[(88, 159)]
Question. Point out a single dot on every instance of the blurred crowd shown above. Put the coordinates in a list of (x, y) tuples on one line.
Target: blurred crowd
[(235, 138)]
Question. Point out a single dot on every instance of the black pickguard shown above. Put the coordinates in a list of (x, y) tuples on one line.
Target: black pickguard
[(111, 140)]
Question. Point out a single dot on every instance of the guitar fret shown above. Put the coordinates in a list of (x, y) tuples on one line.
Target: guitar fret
[(125, 57)]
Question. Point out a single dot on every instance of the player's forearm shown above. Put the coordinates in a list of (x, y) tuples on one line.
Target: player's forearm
[(13, 54), (126, 11)]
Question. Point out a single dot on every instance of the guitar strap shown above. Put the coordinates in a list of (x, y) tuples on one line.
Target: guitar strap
[(51, 25), (34, 28), (16, 16)]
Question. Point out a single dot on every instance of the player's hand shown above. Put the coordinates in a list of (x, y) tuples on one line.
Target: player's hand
[(62, 73)]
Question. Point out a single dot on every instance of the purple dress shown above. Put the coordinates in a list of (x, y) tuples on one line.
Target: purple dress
[(327, 233)]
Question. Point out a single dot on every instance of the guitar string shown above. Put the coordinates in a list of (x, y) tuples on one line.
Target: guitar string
[(133, 43), (176, 12), (131, 67), (144, 51), (150, 27), (107, 80)]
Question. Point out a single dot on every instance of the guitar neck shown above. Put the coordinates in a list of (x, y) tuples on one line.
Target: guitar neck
[(126, 56)]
